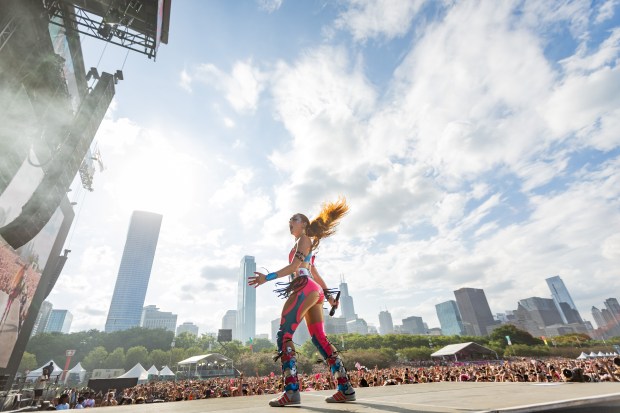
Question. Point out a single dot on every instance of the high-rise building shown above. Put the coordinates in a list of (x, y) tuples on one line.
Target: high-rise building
[(152, 318), (542, 311), (229, 322), (275, 326), (42, 318), (357, 326), (187, 327), (246, 301), (598, 317), (563, 301), (346, 302), (475, 311), (449, 318), (413, 325), (134, 272), (59, 322), (614, 308), (334, 325), (386, 326)]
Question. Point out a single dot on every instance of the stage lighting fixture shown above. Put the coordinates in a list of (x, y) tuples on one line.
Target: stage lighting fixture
[(92, 73), (105, 31)]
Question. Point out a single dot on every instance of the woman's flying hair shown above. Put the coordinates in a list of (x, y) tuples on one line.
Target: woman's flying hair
[(326, 222)]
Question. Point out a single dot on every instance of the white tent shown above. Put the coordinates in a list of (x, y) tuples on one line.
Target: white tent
[(77, 373), (601, 354), (153, 373), (166, 372), (592, 354), (582, 356), (138, 372), (36, 373)]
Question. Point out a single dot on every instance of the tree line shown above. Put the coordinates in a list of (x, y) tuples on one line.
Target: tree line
[(123, 349)]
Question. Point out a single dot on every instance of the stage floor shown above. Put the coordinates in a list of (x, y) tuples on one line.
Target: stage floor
[(431, 397)]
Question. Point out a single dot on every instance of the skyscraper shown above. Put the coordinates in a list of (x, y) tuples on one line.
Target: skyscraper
[(59, 322), (42, 318), (449, 318), (614, 308), (598, 317), (563, 300), (475, 311), (229, 322), (386, 326), (246, 301), (134, 272), (413, 325), (346, 302)]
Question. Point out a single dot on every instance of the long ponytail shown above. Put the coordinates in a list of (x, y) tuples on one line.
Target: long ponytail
[(326, 222)]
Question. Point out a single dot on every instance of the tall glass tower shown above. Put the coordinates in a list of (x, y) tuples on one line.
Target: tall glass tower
[(134, 272), (449, 318), (475, 311), (246, 301), (346, 302), (563, 300)]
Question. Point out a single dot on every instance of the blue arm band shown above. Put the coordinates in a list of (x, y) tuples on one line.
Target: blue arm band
[(271, 276)]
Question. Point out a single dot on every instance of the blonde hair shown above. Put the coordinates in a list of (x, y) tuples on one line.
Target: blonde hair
[(326, 222)]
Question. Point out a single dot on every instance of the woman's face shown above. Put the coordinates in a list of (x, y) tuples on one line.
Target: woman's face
[(296, 225)]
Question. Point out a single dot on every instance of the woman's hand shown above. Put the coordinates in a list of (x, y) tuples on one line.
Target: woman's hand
[(332, 301), (257, 279)]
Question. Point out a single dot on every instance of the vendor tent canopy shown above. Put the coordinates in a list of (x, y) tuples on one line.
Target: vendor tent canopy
[(32, 375), (465, 351), (582, 356), (138, 372), (166, 372), (77, 374)]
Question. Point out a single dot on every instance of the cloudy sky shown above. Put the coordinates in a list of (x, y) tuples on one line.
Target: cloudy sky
[(477, 143)]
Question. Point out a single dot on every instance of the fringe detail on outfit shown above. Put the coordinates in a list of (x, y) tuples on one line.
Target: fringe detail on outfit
[(289, 288)]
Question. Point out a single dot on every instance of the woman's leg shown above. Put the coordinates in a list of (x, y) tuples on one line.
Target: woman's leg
[(314, 319), (293, 312)]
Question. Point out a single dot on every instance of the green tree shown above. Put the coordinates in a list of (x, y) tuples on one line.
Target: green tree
[(370, 358), (28, 362), (261, 344), (115, 360), (159, 358), (416, 353), (517, 336), (186, 340), (95, 359), (135, 355)]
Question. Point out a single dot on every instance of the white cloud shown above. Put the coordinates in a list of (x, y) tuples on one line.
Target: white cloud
[(606, 11), (367, 19), (270, 5), (241, 88), (186, 81)]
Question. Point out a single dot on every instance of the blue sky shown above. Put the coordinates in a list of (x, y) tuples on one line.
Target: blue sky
[(476, 142)]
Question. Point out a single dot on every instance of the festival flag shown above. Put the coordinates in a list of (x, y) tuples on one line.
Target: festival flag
[(544, 339), (508, 340), (358, 365)]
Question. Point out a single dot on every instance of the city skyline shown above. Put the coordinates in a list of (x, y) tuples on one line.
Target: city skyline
[(456, 174)]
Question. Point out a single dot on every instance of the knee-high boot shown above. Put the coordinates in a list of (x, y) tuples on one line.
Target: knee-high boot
[(345, 391), (290, 395)]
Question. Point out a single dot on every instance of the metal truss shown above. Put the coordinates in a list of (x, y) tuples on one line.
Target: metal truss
[(80, 20)]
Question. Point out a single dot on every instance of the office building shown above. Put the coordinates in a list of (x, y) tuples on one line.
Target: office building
[(246, 301), (153, 318), (563, 301), (275, 326), (475, 312), (614, 308), (187, 327), (42, 318), (347, 310), (598, 317), (59, 322), (357, 326), (229, 322), (134, 272), (413, 325), (449, 318), (334, 325), (386, 326)]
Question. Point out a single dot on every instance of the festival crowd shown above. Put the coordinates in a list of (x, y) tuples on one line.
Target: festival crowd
[(516, 370)]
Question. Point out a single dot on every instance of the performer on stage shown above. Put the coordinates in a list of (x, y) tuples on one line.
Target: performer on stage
[(304, 299)]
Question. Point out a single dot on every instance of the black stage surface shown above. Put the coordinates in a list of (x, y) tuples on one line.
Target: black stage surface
[(431, 397)]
